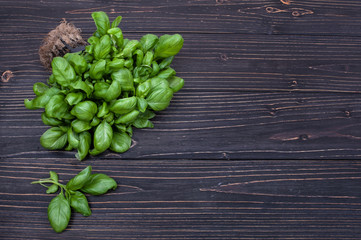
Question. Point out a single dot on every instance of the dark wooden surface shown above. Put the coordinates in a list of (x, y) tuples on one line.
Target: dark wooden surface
[(263, 142)]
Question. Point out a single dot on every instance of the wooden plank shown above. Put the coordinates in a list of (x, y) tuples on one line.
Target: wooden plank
[(191, 200), (334, 17), (237, 63)]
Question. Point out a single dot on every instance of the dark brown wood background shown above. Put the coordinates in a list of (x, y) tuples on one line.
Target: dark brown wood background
[(263, 142)]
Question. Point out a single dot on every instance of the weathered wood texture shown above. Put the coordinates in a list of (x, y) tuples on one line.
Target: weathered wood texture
[(265, 82)]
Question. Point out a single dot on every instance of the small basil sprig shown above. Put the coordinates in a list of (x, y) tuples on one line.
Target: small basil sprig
[(72, 196), (94, 98)]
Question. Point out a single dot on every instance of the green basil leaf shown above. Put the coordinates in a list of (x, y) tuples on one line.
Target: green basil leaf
[(74, 98), (54, 138), (50, 121), (166, 62), (155, 69), (52, 189), (51, 79), (100, 89), (143, 89), (142, 123), (158, 83), (95, 122), (84, 145), (57, 107), (40, 88), (160, 99), (176, 83), (124, 105), (101, 21), (127, 118), (116, 21), (79, 203), (120, 127), (80, 179), (148, 42), (82, 85), (59, 213), (166, 73), (142, 104), (77, 62), (93, 40), (114, 91), (85, 110), (131, 46), (63, 72), (99, 184), (129, 130), (41, 101), (168, 45), (103, 110), (73, 138), (102, 137), (54, 176), (97, 70), (117, 36), (148, 58), (129, 63), (102, 49), (125, 79), (80, 126), (115, 65), (121, 142)]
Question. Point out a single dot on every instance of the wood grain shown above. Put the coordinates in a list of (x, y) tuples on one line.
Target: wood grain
[(266, 81), (335, 17), (180, 199)]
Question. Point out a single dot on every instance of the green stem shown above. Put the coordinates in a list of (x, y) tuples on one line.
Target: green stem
[(42, 181)]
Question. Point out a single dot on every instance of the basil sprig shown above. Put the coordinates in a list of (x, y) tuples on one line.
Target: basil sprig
[(72, 196), (95, 97)]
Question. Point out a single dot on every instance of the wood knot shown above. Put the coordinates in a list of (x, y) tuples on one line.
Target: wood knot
[(224, 57), (303, 137), (347, 113), (271, 10), (296, 13), (5, 77), (294, 83)]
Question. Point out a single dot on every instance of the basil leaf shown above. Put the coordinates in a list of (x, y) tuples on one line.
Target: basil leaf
[(103, 110), (50, 121), (113, 92), (79, 203), (101, 21), (158, 83), (77, 62), (97, 70), (85, 110), (127, 118), (116, 22), (56, 107), (148, 42), (142, 123), (139, 57), (54, 176), (99, 184), (82, 85), (102, 137), (79, 180), (160, 99), (74, 98), (95, 122), (131, 46), (52, 189), (59, 213), (117, 36), (115, 65), (54, 138), (84, 145), (166, 62), (176, 83), (40, 88), (142, 104), (80, 126), (168, 45), (155, 69), (63, 72), (125, 79), (41, 101), (102, 49), (148, 58), (73, 138), (124, 105), (143, 89), (100, 89), (166, 73), (121, 142)]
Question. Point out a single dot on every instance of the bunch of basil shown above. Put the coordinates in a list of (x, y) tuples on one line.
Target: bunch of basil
[(94, 97)]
